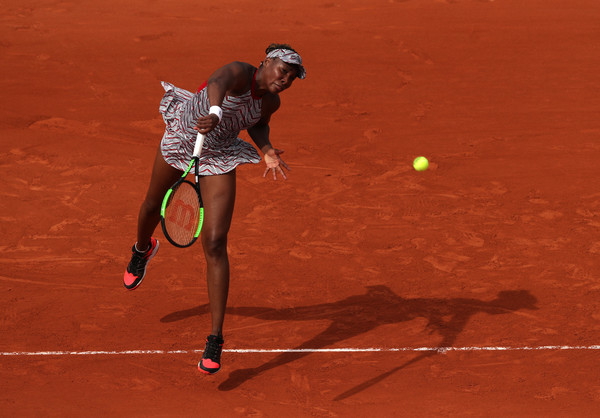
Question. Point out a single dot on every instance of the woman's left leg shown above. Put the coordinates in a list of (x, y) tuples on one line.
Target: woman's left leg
[(218, 195)]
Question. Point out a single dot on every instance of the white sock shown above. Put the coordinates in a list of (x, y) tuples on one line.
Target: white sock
[(138, 250)]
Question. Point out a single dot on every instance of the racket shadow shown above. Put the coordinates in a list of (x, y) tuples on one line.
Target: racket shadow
[(372, 382)]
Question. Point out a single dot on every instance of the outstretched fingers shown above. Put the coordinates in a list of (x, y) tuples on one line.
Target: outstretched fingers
[(275, 163)]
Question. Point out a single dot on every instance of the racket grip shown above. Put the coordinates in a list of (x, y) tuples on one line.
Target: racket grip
[(199, 143)]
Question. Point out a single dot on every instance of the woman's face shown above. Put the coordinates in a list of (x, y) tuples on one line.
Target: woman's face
[(278, 75)]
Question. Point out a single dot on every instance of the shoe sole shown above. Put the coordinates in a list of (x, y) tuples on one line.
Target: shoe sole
[(206, 372)]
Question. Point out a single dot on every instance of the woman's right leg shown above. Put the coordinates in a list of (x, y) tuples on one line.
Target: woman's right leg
[(163, 177)]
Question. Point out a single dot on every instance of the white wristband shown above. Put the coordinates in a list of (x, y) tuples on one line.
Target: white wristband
[(216, 110)]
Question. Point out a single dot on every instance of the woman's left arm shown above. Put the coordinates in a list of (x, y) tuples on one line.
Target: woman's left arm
[(260, 135)]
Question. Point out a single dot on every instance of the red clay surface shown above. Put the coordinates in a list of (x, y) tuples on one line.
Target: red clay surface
[(496, 245)]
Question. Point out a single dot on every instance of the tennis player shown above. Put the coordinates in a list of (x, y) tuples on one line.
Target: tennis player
[(237, 96)]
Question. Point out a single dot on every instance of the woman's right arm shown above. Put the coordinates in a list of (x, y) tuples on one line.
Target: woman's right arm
[(230, 79)]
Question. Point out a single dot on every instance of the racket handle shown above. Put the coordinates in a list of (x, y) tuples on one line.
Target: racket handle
[(199, 143)]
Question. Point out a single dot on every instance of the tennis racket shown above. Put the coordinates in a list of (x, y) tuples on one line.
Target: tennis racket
[(182, 210)]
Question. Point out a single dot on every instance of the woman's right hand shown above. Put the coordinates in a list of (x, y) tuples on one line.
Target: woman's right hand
[(207, 123)]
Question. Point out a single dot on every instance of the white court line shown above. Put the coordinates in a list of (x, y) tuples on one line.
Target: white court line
[(302, 350)]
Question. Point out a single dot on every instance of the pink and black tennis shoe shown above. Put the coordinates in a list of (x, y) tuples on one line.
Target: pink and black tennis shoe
[(136, 270), (211, 359)]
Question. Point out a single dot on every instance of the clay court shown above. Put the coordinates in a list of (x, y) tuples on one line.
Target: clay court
[(360, 287)]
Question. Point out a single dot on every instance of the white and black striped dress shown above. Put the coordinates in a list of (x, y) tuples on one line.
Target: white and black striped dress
[(223, 150)]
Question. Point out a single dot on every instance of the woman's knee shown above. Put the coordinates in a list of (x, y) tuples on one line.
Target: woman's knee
[(215, 244)]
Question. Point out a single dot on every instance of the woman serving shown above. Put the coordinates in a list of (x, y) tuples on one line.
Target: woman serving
[(237, 96)]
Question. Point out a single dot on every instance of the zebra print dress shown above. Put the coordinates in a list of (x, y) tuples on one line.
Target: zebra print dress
[(223, 150)]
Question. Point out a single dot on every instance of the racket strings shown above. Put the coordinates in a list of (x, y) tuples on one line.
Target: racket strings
[(182, 214)]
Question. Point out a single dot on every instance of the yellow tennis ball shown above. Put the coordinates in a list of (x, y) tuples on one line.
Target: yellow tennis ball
[(420, 164)]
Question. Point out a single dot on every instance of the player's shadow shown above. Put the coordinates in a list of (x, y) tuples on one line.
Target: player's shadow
[(360, 314)]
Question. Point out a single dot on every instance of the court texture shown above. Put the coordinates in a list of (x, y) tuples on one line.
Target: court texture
[(359, 286)]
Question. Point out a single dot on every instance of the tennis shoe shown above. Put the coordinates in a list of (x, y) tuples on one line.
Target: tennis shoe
[(211, 359), (136, 270)]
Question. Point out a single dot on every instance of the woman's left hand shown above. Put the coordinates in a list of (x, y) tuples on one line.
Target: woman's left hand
[(275, 163)]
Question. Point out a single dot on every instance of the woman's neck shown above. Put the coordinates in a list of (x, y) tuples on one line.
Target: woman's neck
[(255, 88)]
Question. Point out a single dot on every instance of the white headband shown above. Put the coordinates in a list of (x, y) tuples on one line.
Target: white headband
[(289, 57)]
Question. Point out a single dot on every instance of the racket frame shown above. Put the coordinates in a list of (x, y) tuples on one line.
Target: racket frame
[(193, 163)]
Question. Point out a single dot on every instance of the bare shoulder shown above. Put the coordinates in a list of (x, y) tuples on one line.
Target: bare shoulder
[(241, 68), (236, 75)]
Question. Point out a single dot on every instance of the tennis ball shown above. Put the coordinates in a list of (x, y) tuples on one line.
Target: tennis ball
[(420, 164)]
